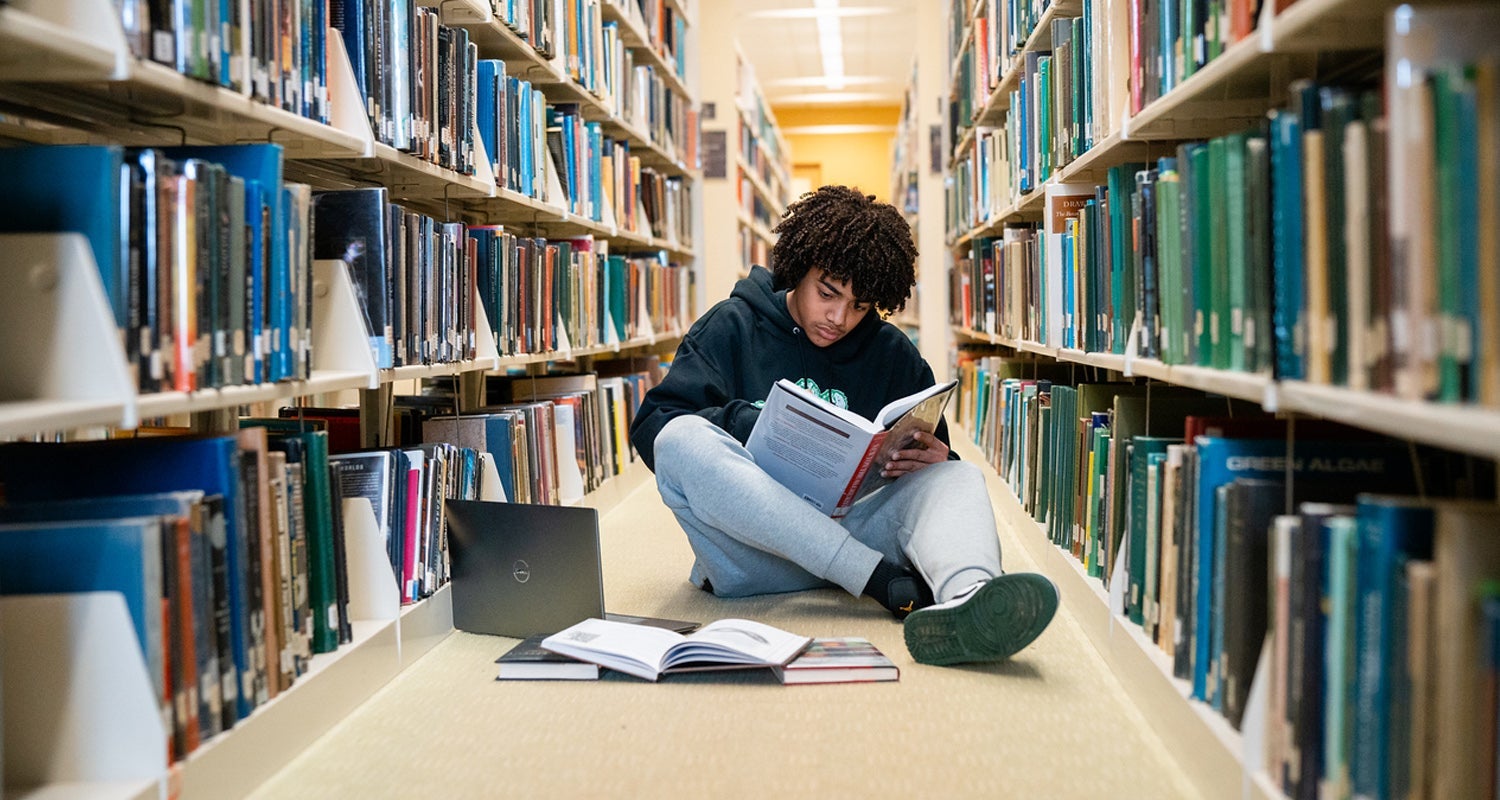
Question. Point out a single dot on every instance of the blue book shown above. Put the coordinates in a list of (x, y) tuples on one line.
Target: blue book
[(490, 71), (1286, 240), (595, 171), (1331, 471), (91, 201), (115, 555), (33, 471), (114, 508), (1391, 530)]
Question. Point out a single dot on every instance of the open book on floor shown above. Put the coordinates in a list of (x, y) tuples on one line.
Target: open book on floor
[(649, 652), (842, 659), (831, 456)]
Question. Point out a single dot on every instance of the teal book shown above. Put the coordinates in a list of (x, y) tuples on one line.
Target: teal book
[(1390, 531), (1140, 451), (1286, 242), (1338, 664)]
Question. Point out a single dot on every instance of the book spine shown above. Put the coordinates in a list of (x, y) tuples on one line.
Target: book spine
[(846, 500)]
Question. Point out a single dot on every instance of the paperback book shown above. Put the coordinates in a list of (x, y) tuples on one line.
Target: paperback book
[(830, 456), (843, 659)]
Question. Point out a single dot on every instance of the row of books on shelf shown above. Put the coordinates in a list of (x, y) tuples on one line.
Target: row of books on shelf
[(1064, 99), (1104, 59), (231, 550), (593, 53), (756, 159), (205, 255), (1332, 244), (666, 28), (416, 78), (754, 249), (575, 34), (270, 50), (1222, 531)]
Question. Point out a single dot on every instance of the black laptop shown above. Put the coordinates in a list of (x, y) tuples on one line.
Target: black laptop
[(520, 569)]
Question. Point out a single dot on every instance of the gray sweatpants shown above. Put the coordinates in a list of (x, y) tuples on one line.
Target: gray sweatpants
[(751, 535)]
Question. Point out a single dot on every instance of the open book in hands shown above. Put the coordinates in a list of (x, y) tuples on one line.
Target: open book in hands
[(830, 456), (648, 652)]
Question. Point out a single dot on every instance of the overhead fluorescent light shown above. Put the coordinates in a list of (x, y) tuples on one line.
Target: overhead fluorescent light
[(817, 80), (831, 98), (831, 43), (809, 13)]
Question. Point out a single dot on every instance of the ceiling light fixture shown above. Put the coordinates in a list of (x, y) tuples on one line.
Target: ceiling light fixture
[(831, 42)]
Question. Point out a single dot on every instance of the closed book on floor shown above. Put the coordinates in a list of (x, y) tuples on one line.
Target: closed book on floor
[(843, 659), (527, 661)]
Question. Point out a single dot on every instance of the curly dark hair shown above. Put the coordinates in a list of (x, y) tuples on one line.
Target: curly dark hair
[(851, 237)]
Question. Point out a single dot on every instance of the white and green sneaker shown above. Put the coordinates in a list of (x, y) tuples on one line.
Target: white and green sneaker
[(990, 621)]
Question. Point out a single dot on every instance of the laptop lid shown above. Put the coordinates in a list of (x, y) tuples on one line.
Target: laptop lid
[(520, 569)]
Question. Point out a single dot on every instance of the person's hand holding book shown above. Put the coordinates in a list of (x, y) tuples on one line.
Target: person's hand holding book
[(924, 449)]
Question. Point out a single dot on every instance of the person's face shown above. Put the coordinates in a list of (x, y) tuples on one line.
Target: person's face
[(824, 307)]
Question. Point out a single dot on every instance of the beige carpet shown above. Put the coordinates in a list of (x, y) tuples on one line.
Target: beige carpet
[(1049, 723)]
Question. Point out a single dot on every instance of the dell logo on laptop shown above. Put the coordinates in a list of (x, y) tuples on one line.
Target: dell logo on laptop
[(521, 571)]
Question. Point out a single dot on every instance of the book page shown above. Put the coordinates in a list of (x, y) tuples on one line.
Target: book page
[(737, 641)]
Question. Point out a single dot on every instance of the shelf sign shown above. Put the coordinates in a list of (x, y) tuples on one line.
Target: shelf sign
[(714, 154)]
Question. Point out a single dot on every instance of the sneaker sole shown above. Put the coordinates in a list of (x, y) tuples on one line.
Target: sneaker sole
[(1003, 617)]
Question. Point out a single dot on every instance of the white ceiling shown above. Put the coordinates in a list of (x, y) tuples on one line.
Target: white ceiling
[(780, 38)]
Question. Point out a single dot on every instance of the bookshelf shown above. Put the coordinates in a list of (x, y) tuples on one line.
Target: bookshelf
[(68, 75), (745, 202), (1333, 42)]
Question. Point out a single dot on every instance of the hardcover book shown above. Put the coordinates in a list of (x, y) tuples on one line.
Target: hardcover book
[(830, 456), (527, 661), (843, 659)]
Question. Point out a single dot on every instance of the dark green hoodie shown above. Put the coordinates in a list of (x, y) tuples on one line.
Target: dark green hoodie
[(728, 361)]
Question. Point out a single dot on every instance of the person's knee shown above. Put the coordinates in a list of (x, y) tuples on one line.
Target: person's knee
[(677, 440)]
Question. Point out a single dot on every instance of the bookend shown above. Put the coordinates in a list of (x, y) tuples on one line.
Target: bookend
[(346, 107), (373, 592), (78, 704), (65, 347), (62, 41), (338, 337)]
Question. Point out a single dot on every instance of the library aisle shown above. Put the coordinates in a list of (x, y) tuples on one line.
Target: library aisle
[(1052, 722)]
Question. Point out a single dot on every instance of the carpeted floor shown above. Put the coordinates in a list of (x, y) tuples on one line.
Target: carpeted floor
[(1049, 723)]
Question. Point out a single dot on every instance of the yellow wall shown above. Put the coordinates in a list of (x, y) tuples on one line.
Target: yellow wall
[(852, 159)]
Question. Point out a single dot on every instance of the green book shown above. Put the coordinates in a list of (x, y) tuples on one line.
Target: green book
[(1236, 248), (1171, 300), (1338, 712), (1201, 194), (1218, 253)]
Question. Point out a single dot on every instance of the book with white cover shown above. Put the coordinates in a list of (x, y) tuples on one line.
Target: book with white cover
[(649, 652)]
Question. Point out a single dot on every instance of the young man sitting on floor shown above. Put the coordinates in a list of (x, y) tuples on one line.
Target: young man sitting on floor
[(924, 546)]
